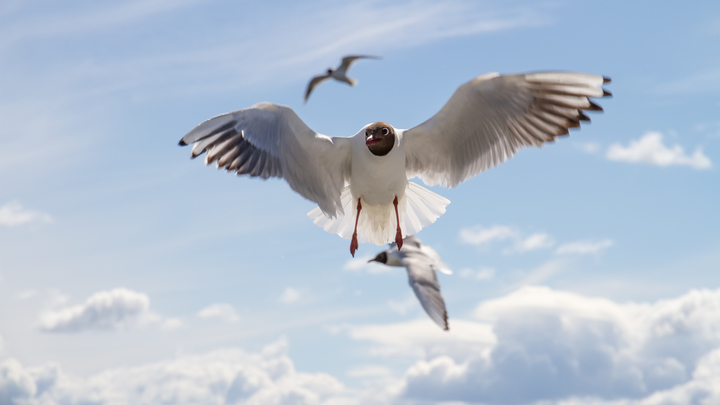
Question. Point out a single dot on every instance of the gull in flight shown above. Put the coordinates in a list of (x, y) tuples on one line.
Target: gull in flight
[(339, 74), (360, 183), (421, 262)]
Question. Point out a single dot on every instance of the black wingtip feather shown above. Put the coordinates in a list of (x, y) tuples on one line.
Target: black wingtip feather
[(594, 107), (606, 79), (606, 93), (182, 143)]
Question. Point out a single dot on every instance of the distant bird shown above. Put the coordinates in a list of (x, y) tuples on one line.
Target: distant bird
[(339, 74), (421, 262), (482, 125)]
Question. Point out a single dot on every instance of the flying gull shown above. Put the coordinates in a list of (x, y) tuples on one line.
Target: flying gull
[(421, 262), (483, 124), (339, 74)]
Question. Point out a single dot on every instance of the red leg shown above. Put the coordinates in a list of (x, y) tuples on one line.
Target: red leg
[(354, 242), (398, 234)]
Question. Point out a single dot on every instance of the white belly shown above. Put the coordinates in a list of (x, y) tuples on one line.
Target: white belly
[(377, 180)]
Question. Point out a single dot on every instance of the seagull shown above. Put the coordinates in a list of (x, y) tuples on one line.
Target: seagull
[(421, 262), (339, 74), (482, 125)]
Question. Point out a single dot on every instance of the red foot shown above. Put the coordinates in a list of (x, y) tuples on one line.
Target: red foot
[(354, 242), (398, 234)]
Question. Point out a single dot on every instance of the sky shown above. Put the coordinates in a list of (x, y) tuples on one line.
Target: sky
[(586, 271)]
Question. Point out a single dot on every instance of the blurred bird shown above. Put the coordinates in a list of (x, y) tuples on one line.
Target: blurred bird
[(482, 125), (421, 262), (339, 74)]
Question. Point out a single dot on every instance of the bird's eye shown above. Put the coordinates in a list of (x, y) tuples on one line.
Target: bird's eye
[(385, 131)]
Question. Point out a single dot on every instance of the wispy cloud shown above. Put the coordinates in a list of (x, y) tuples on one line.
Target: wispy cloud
[(199, 61), (543, 272), (290, 296), (86, 19), (707, 81), (224, 312), (13, 214), (482, 274), (111, 309), (481, 236), (532, 242), (650, 149), (583, 247)]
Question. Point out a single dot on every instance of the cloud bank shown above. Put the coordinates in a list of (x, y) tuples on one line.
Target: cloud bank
[(534, 346), (556, 347), (229, 376)]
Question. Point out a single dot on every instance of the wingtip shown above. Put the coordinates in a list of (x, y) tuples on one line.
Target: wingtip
[(594, 107), (606, 93), (606, 79), (182, 142)]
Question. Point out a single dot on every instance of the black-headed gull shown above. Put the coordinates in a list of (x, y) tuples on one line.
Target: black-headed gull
[(339, 74), (483, 124), (421, 262)]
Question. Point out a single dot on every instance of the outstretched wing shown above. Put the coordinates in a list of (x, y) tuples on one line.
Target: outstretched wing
[(268, 140), (348, 60), (489, 118), (423, 280), (313, 83)]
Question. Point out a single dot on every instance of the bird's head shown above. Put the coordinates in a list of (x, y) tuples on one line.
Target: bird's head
[(380, 258), (380, 138)]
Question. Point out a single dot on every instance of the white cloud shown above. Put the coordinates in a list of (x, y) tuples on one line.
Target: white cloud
[(226, 376), (583, 247), (290, 296), (480, 235), (482, 274), (103, 310), (650, 149), (564, 348), (224, 312), (13, 214), (533, 242)]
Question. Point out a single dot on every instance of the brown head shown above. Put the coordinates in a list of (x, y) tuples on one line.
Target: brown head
[(380, 138), (380, 258)]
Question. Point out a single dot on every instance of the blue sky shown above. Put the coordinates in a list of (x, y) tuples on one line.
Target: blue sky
[(585, 271)]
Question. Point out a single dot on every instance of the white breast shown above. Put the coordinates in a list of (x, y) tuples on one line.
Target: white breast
[(377, 179)]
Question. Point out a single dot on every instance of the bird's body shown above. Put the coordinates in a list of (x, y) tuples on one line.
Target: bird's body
[(361, 183), (339, 74), (421, 262)]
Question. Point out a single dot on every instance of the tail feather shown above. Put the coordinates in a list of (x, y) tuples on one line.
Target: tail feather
[(418, 208)]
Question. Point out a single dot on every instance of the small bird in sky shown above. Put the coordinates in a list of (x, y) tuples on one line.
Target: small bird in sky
[(421, 262), (482, 125), (339, 74)]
